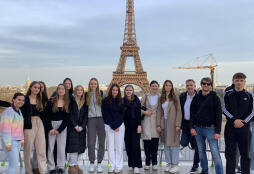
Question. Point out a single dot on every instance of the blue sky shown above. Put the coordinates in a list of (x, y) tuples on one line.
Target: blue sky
[(51, 39)]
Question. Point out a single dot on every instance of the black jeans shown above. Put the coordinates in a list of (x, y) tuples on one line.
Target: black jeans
[(241, 137), (151, 149), (187, 138)]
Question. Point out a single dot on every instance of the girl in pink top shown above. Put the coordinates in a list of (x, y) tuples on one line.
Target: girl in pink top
[(11, 129)]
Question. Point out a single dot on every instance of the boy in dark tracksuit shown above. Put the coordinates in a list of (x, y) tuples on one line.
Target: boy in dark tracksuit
[(238, 109)]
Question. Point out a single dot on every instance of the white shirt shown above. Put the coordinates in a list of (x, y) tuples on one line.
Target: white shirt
[(165, 109), (153, 99), (187, 106)]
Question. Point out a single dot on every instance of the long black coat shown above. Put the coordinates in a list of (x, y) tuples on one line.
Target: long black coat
[(76, 141)]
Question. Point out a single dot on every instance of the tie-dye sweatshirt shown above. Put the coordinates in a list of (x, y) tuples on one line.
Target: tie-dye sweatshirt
[(11, 125)]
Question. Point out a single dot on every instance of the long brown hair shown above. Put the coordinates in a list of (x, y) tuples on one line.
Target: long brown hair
[(44, 93), (39, 105), (132, 96), (98, 93), (56, 99), (82, 99), (171, 96), (109, 98)]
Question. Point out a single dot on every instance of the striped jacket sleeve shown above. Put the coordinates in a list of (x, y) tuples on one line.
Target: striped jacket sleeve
[(251, 115), (224, 109)]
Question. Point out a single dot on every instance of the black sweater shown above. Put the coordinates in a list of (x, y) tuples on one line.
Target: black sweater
[(238, 105), (56, 116), (132, 111), (206, 111), (112, 113)]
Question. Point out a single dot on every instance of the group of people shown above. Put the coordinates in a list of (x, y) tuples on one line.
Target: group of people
[(72, 119)]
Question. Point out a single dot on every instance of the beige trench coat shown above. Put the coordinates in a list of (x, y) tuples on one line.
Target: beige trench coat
[(174, 119), (149, 125)]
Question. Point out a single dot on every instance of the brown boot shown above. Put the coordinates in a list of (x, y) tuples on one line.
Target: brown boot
[(72, 170), (36, 171), (79, 170)]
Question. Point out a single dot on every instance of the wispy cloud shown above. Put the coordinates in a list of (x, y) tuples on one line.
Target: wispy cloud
[(56, 33)]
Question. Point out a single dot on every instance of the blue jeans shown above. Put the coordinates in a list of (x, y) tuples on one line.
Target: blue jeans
[(252, 146), (202, 135), (13, 156)]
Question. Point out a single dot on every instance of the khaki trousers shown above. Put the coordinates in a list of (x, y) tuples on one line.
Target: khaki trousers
[(35, 137)]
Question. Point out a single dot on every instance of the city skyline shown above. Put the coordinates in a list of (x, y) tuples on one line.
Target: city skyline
[(59, 39)]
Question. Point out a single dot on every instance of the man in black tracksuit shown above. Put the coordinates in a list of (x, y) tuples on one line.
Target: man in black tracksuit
[(186, 137), (238, 108)]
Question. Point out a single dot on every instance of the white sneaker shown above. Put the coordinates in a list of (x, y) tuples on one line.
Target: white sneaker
[(136, 170), (174, 169), (147, 167), (252, 172), (155, 167), (99, 168), (91, 168), (130, 168), (110, 170), (117, 171), (167, 168)]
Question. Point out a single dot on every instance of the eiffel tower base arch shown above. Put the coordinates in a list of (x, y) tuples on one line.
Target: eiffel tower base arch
[(139, 79)]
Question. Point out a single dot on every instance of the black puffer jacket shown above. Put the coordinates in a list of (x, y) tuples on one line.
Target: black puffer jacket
[(76, 141), (206, 111)]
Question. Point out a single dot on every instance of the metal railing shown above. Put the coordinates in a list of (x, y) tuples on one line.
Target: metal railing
[(186, 154)]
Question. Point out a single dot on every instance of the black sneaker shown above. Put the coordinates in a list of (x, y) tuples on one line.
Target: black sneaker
[(52, 172), (60, 171), (239, 170), (203, 172), (194, 170)]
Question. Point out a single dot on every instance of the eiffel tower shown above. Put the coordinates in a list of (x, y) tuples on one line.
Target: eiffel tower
[(130, 49)]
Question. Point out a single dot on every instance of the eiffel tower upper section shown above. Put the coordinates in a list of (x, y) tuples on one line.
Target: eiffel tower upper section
[(130, 49)]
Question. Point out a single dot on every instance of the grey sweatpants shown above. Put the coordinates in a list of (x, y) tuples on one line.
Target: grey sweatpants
[(96, 128), (61, 143)]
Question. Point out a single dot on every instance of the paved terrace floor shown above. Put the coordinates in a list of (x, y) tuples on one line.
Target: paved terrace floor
[(184, 169)]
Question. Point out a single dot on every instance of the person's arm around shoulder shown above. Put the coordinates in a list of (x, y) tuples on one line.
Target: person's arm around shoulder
[(4, 103), (143, 103)]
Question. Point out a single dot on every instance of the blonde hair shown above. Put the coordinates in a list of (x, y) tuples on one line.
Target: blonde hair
[(132, 96), (66, 100), (98, 94), (82, 99)]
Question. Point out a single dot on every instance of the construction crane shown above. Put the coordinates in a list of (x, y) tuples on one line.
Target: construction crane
[(212, 66)]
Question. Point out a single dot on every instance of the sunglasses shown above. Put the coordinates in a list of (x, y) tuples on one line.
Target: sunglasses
[(207, 84)]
